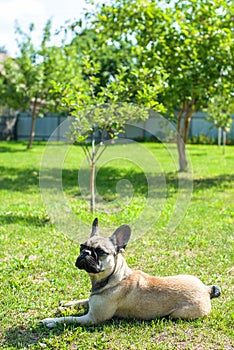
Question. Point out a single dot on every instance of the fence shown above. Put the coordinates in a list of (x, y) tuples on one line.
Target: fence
[(47, 126)]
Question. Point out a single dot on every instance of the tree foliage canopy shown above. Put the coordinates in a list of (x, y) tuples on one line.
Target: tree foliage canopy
[(175, 57), (189, 43)]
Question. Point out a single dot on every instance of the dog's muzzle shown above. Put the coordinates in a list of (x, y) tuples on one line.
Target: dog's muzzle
[(88, 261)]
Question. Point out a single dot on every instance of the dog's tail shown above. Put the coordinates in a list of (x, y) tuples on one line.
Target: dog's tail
[(214, 291)]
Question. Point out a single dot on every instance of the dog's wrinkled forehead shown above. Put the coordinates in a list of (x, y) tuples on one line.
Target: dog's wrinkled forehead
[(101, 243)]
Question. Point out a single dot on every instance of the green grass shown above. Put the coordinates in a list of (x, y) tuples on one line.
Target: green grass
[(38, 250)]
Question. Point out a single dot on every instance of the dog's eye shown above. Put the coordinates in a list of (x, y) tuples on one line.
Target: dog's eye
[(101, 252), (82, 247)]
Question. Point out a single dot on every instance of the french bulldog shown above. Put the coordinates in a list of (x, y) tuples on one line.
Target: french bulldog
[(119, 291)]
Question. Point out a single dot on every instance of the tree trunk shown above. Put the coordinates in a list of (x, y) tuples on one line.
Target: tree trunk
[(93, 157), (187, 121), (182, 154), (32, 132), (182, 132), (180, 142), (219, 136), (92, 188), (224, 141), (92, 176)]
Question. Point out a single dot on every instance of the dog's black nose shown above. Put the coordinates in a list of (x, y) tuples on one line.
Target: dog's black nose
[(80, 261), (86, 261)]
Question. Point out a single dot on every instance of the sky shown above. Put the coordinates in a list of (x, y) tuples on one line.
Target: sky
[(37, 12)]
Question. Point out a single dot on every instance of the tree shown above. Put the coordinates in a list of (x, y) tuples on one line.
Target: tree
[(96, 124), (28, 77), (189, 43), (220, 111), (91, 99)]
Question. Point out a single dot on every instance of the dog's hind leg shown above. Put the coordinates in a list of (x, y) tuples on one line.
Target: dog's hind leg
[(65, 305)]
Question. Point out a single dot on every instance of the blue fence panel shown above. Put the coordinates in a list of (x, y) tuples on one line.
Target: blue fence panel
[(44, 128), (47, 128)]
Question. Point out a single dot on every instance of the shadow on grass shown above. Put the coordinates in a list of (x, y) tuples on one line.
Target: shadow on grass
[(23, 337), (220, 181), (14, 179), (22, 219), (18, 147), (12, 150)]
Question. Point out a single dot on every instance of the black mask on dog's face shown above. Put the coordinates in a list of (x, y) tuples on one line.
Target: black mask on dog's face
[(96, 252), (89, 259)]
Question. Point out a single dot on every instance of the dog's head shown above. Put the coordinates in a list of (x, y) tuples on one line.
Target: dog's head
[(97, 254)]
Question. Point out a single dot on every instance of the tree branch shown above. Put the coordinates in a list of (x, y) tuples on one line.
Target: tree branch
[(179, 117), (87, 152), (187, 120), (100, 152)]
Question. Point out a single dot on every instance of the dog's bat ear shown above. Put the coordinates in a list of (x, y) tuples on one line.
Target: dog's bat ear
[(121, 237), (94, 228)]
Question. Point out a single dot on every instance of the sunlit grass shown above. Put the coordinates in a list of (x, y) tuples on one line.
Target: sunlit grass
[(37, 258)]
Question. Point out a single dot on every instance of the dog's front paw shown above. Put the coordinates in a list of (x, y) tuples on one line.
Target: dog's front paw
[(49, 322)]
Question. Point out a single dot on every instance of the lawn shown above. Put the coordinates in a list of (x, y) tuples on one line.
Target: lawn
[(182, 223)]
